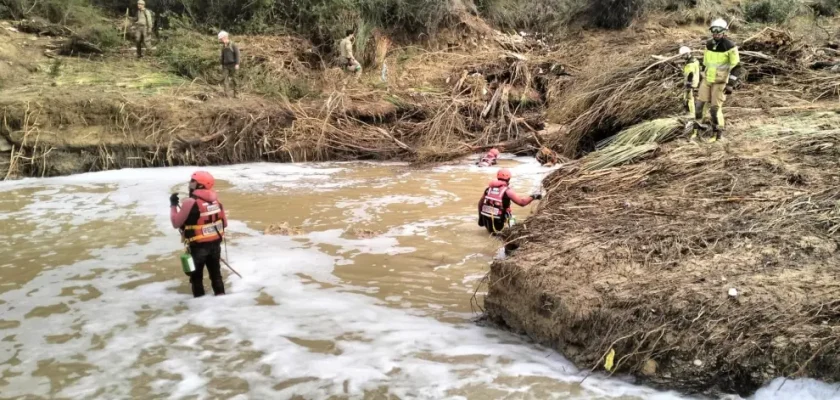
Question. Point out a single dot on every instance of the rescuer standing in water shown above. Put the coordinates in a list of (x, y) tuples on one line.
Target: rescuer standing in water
[(202, 223), (494, 210), (489, 158)]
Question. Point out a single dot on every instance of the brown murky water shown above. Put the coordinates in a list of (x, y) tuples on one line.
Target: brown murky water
[(372, 299)]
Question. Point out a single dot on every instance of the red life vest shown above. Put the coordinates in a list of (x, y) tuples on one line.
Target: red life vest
[(209, 227), (494, 205), (487, 160)]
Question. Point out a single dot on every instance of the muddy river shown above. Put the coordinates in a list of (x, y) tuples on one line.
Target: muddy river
[(368, 298)]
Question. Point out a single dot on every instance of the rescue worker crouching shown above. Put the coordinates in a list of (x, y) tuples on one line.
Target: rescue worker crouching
[(547, 157), (691, 75), (489, 159), (345, 48), (494, 210), (202, 222), (720, 59)]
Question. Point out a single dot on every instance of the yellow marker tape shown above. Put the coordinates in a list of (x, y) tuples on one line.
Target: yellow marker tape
[(608, 363)]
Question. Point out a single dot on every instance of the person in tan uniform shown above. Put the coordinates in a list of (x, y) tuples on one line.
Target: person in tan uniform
[(345, 47), (143, 28)]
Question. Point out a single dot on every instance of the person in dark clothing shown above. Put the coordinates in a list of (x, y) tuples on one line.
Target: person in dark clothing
[(202, 222), (230, 63), (494, 211)]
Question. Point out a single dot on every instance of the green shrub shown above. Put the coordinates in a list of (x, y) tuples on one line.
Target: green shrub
[(55, 67), (535, 15), (190, 54), (612, 14), (770, 11), (550, 15), (322, 21), (195, 56), (103, 35), (825, 8)]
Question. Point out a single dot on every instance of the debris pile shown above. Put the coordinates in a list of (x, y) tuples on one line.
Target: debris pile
[(701, 268)]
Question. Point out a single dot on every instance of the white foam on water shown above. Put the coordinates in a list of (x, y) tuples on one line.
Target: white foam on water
[(366, 209), (417, 228), (376, 245), (157, 333), (799, 389)]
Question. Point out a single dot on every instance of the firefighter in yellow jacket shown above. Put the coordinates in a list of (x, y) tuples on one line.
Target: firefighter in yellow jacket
[(720, 59), (691, 75)]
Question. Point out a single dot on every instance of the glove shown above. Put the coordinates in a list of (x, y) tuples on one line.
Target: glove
[(733, 82), (728, 89), (688, 86), (173, 200), (536, 196)]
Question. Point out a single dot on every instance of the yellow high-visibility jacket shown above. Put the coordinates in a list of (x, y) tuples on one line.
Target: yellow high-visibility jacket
[(719, 59), (691, 72)]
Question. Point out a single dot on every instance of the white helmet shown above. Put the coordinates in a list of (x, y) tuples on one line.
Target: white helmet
[(719, 23), (685, 50), (222, 34)]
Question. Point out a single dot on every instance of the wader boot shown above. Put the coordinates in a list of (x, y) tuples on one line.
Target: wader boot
[(218, 286), (699, 106), (717, 126)]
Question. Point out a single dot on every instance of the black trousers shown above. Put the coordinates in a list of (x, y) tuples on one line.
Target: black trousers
[(209, 255)]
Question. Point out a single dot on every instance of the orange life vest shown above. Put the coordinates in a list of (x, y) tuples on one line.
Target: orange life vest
[(209, 227)]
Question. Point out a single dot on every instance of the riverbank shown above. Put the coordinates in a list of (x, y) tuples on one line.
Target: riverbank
[(706, 268)]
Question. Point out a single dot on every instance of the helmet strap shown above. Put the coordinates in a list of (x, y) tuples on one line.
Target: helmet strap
[(194, 186)]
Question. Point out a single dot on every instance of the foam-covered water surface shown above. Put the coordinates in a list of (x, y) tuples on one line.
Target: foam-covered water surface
[(370, 298)]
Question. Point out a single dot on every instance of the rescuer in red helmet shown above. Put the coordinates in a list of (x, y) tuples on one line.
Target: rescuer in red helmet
[(202, 222), (494, 207), (489, 158)]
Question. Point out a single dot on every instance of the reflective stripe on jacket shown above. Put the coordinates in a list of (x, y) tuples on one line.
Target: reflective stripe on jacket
[(208, 226)]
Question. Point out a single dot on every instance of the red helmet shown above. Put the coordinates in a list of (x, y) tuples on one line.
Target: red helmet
[(494, 152), (204, 178), (503, 174)]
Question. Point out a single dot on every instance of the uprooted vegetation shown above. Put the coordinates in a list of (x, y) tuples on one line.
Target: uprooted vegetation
[(600, 103), (704, 268)]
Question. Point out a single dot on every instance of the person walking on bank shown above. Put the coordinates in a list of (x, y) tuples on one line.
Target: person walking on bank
[(345, 47), (494, 210), (143, 28), (691, 75), (230, 63), (202, 222), (720, 59)]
